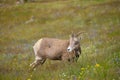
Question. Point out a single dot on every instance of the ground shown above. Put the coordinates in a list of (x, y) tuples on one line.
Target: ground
[(22, 25)]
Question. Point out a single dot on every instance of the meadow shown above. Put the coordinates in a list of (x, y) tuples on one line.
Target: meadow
[(100, 19)]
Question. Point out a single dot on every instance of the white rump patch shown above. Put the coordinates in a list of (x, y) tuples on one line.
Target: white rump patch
[(37, 44), (36, 48)]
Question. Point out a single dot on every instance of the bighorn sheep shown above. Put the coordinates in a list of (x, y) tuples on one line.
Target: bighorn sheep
[(56, 49)]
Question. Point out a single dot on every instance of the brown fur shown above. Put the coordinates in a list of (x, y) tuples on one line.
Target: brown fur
[(54, 49)]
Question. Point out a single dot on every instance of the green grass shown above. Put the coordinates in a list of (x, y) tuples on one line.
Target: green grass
[(100, 58)]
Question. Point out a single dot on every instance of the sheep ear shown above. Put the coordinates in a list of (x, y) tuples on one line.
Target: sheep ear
[(72, 35)]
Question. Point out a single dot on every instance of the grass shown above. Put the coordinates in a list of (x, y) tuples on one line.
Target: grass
[(100, 58)]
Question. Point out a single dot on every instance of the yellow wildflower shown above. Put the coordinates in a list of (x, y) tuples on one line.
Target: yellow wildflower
[(82, 68), (97, 65), (29, 79), (81, 73)]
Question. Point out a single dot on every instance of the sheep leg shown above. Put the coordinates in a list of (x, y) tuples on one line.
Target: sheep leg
[(37, 62)]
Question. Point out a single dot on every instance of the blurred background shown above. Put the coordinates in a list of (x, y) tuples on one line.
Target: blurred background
[(23, 22)]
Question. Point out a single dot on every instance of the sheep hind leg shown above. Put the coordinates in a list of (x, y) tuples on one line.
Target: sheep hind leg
[(34, 64), (37, 62)]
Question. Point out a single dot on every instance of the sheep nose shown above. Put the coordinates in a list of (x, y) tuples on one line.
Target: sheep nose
[(68, 49)]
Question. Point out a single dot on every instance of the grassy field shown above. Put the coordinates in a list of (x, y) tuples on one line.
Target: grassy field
[(100, 58)]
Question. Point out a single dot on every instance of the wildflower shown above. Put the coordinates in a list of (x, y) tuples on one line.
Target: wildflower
[(97, 65), (14, 59), (34, 69), (82, 68), (64, 74), (81, 73), (31, 75), (29, 79)]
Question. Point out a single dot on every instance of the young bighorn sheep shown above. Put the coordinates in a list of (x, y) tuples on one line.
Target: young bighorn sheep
[(56, 49)]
